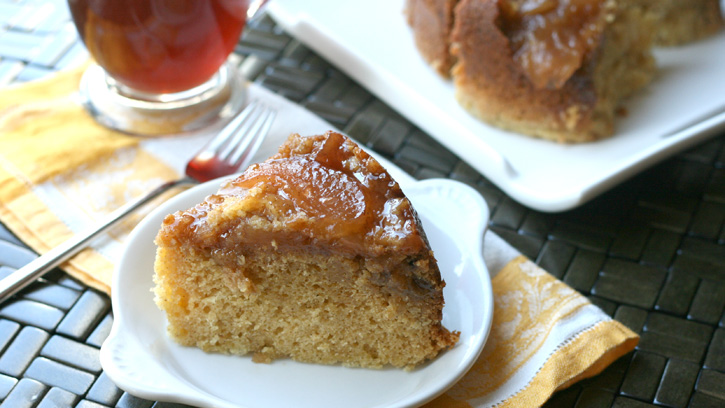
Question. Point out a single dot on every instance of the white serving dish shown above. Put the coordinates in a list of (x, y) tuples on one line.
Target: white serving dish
[(371, 42), (140, 358)]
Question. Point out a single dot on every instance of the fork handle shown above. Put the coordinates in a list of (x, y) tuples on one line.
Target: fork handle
[(24, 276)]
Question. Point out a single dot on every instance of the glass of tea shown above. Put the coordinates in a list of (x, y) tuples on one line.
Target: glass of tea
[(161, 66)]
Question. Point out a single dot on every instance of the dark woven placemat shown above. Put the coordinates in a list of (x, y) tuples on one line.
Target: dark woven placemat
[(650, 252)]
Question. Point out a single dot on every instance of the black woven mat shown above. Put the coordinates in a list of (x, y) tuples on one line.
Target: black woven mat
[(651, 252)]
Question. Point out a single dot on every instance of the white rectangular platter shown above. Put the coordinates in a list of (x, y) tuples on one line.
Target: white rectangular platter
[(371, 42)]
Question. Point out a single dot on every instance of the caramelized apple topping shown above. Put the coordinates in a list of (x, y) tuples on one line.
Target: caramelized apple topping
[(551, 38), (331, 192)]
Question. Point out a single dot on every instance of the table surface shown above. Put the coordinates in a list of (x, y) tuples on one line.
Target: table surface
[(650, 252)]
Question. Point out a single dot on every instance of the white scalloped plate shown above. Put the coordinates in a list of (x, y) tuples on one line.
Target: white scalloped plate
[(140, 358)]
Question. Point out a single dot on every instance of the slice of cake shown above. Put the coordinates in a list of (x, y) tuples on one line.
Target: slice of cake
[(315, 254), (558, 70), (555, 69), (432, 22)]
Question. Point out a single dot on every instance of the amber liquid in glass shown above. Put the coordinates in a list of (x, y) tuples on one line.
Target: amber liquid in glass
[(160, 46)]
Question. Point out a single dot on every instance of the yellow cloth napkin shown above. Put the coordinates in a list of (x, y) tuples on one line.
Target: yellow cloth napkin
[(60, 172)]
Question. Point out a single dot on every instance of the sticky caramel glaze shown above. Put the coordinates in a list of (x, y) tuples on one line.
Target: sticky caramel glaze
[(318, 193), (551, 38)]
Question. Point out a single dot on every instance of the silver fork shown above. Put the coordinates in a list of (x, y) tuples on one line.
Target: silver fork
[(227, 152)]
